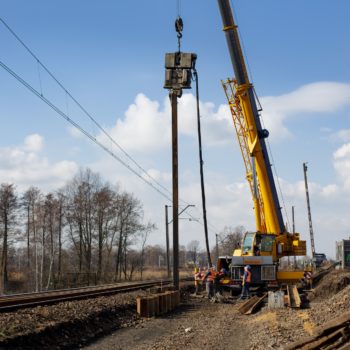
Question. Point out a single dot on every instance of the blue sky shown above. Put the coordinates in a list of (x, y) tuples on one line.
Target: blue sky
[(110, 55)]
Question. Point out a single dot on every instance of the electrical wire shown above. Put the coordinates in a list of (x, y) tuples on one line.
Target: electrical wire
[(80, 105), (81, 129)]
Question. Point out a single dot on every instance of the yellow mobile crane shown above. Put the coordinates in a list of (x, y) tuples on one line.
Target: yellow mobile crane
[(261, 249)]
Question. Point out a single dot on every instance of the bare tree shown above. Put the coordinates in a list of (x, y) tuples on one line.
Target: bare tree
[(129, 222), (230, 239), (104, 217), (193, 250), (31, 200), (146, 230), (8, 212), (81, 193), (60, 213)]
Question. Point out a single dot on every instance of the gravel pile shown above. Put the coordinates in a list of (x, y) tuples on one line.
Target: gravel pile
[(325, 310), (278, 328), (331, 284)]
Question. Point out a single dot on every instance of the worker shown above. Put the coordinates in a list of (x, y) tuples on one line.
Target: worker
[(256, 250), (246, 280), (197, 280), (219, 276), (209, 282)]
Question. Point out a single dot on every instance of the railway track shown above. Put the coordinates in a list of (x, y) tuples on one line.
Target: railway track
[(19, 301)]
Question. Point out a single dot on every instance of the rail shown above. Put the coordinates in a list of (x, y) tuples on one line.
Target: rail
[(26, 300)]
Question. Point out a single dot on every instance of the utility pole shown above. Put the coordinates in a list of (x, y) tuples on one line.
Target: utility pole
[(173, 98), (217, 245), (167, 241), (178, 75), (309, 215)]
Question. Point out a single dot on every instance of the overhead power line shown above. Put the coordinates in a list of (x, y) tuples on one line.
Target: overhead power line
[(81, 129), (98, 125)]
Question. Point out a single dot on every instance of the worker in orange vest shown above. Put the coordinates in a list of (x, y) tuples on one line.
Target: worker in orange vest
[(246, 280), (197, 279), (209, 279)]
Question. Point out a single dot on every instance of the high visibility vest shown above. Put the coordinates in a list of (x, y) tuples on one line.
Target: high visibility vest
[(211, 276), (248, 279)]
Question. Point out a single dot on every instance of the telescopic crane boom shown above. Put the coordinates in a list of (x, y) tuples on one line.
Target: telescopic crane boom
[(271, 241), (269, 218)]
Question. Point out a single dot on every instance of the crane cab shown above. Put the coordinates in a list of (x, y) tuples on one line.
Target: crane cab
[(259, 250), (259, 244), (262, 252)]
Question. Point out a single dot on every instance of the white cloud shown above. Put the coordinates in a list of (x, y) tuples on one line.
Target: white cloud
[(341, 136), (146, 126), (216, 125), (342, 152), (320, 97), (73, 131), (33, 143), (341, 159), (24, 166)]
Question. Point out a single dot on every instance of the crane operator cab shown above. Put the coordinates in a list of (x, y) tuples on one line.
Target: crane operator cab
[(259, 251)]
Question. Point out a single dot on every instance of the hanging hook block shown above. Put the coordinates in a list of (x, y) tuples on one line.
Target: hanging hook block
[(179, 26)]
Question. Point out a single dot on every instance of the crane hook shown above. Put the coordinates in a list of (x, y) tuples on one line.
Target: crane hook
[(179, 26)]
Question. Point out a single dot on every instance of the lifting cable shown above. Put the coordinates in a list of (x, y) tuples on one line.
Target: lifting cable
[(178, 8)]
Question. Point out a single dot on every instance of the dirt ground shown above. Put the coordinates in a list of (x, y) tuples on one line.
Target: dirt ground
[(112, 323), (200, 324)]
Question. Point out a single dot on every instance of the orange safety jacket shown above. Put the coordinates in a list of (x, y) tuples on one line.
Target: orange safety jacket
[(211, 276), (247, 278)]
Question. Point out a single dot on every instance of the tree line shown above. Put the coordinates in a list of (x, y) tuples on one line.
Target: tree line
[(87, 228)]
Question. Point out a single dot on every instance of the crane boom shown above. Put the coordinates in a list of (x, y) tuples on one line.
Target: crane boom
[(271, 241), (266, 203)]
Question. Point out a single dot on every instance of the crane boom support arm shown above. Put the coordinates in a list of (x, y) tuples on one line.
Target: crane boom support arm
[(255, 133)]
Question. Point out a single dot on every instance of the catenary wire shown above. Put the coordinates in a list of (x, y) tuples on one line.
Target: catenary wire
[(80, 105), (82, 130)]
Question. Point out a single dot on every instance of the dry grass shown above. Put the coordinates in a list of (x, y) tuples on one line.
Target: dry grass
[(152, 273)]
